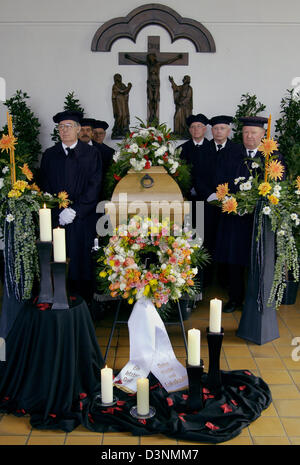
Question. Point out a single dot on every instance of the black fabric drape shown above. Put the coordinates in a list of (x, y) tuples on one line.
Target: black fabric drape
[(52, 373)]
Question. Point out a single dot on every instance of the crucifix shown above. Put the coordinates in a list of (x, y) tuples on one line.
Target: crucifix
[(153, 59)]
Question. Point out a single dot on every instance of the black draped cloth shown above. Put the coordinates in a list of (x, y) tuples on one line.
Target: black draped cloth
[(52, 373), (53, 360)]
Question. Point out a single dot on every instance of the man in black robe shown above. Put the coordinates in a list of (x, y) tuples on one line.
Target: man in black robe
[(224, 156), (99, 133), (75, 167), (234, 234)]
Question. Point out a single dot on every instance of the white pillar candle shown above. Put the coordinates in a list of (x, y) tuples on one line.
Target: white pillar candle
[(215, 315), (59, 245), (194, 347), (45, 224), (106, 385), (143, 396)]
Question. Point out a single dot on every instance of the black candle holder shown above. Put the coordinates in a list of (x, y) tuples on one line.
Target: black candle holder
[(214, 341), (45, 257), (60, 298), (194, 373)]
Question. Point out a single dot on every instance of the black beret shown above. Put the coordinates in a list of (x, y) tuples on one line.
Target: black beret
[(221, 119), (88, 122), (65, 115), (258, 121), (100, 124), (197, 119)]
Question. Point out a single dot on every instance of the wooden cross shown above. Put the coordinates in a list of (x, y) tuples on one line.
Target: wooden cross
[(153, 59)]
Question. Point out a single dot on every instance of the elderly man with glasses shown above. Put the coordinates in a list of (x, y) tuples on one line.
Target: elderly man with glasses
[(75, 167)]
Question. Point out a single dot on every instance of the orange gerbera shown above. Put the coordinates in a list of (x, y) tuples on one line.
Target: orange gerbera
[(63, 199), (275, 170), (268, 146), (229, 205), (7, 142), (264, 188), (273, 199), (222, 191), (25, 170), (35, 187)]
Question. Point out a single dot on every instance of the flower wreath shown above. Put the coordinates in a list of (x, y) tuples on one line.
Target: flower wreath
[(144, 147), (143, 259)]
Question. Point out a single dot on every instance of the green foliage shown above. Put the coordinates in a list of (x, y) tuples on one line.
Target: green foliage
[(249, 106), (288, 132), (25, 128), (72, 104)]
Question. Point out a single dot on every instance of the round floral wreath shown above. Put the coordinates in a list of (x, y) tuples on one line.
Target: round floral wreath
[(143, 259)]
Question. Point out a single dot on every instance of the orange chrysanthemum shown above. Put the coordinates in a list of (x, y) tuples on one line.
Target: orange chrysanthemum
[(7, 142), (268, 146), (63, 199), (230, 205), (222, 191), (25, 170), (275, 170), (264, 188)]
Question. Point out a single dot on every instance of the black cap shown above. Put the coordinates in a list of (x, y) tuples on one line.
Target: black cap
[(221, 119), (100, 124), (68, 114), (88, 122), (197, 119), (258, 121)]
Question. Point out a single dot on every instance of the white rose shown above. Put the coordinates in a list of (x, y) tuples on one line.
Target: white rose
[(134, 148), (267, 210), (160, 151)]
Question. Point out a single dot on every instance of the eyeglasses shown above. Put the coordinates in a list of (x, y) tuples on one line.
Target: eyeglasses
[(66, 126)]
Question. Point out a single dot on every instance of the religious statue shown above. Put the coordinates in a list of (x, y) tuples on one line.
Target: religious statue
[(120, 96), (153, 80), (183, 99)]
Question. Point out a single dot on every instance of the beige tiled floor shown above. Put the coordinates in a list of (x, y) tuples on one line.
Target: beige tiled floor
[(278, 425)]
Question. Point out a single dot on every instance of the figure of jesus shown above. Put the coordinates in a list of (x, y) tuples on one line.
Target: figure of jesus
[(153, 80)]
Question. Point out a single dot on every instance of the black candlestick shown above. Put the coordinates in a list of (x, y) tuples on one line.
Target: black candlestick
[(214, 341), (60, 299), (195, 372), (45, 256)]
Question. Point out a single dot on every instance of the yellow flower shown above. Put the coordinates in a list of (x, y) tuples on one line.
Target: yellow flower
[(25, 170), (14, 193), (35, 187), (268, 146), (264, 188), (103, 274), (222, 191), (273, 199), (63, 199), (21, 185), (147, 290), (230, 205), (7, 142), (130, 301), (275, 170)]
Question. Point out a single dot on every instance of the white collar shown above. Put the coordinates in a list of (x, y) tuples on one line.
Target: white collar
[(71, 146), (198, 143), (253, 152)]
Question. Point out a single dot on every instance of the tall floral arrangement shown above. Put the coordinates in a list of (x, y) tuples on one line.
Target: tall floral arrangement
[(147, 146), (20, 201), (281, 205)]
